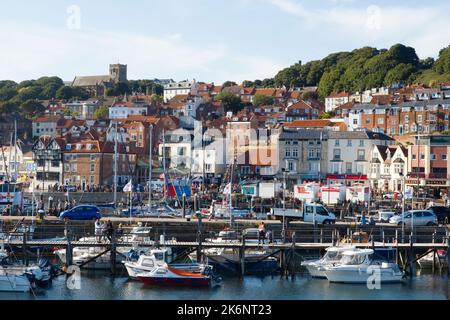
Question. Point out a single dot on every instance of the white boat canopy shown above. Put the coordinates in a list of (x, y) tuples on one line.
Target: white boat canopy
[(362, 252)]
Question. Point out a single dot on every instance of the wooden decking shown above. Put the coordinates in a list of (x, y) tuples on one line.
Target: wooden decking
[(250, 245)]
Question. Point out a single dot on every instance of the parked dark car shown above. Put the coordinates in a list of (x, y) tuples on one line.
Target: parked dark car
[(442, 213), (81, 213)]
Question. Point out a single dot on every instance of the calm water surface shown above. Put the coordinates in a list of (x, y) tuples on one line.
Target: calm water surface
[(100, 286)]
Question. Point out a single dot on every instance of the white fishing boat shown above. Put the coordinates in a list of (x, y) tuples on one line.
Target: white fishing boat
[(158, 257), (92, 258), (16, 278), (332, 256), (357, 266), (164, 275), (439, 257)]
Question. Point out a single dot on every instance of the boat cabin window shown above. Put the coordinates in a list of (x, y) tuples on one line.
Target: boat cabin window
[(354, 260), (148, 263), (332, 255), (159, 256)]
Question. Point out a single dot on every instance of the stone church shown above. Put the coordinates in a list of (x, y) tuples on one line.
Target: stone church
[(97, 85)]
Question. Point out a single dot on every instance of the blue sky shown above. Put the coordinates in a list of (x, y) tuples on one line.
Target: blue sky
[(209, 40)]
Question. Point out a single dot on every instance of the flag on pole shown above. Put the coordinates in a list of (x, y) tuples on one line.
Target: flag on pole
[(409, 193), (227, 189), (128, 187)]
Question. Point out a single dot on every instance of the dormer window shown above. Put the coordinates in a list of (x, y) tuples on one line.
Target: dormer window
[(79, 146), (68, 146)]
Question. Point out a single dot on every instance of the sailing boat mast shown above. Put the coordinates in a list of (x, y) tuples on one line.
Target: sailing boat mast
[(230, 205), (115, 164), (10, 174), (150, 170), (164, 164), (15, 150)]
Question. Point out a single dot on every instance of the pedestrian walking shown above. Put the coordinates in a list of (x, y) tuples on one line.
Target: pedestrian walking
[(261, 233), (109, 230), (98, 230)]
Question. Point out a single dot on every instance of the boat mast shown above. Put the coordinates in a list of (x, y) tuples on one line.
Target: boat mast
[(150, 170), (15, 150), (231, 195), (10, 159), (115, 164), (164, 165)]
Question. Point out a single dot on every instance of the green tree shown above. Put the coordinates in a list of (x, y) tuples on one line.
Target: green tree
[(325, 116), (402, 73), (101, 113), (65, 93), (49, 90), (229, 84), (7, 93), (30, 93), (119, 89), (230, 101), (8, 107), (248, 84), (310, 95), (32, 107), (155, 98), (262, 100), (442, 64)]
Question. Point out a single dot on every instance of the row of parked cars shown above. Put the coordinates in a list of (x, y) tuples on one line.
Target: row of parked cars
[(433, 216)]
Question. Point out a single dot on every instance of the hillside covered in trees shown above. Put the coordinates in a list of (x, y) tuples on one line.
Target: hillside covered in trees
[(25, 98), (366, 68)]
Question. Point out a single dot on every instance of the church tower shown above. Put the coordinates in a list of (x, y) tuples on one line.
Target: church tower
[(118, 72)]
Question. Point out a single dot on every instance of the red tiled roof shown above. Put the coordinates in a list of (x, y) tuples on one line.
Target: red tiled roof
[(301, 105), (47, 119), (309, 124), (382, 99), (266, 92), (342, 94)]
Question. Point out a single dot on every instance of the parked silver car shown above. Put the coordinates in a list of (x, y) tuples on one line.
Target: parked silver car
[(385, 215), (418, 217)]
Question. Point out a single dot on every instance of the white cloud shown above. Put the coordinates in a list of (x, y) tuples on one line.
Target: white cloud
[(426, 28), (290, 6), (68, 53)]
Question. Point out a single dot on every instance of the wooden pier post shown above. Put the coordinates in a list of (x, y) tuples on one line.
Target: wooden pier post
[(199, 247), (242, 257), (69, 253), (411, 255), (283, 264), (293, 258), (25, 250), (113, 255)]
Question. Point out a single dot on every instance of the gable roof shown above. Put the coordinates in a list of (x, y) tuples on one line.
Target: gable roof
[(90, 81), (309, 124)]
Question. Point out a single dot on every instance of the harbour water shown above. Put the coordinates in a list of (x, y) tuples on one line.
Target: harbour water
[(100, 286)]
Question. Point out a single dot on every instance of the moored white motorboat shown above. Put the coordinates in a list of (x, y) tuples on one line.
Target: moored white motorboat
[(436, 258), (84, 256), (357, 266), (164, 275), (332, 256), (158, 257), (16, 278)]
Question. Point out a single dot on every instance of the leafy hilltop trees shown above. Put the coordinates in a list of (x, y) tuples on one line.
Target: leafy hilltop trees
[(366, 68)]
